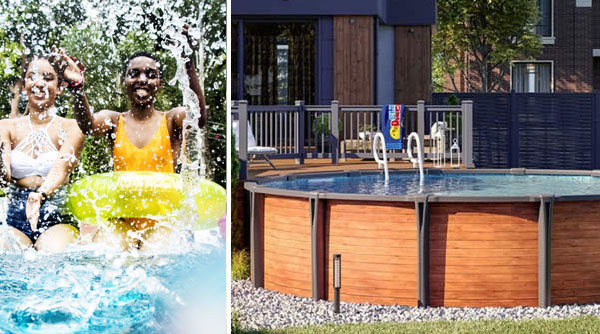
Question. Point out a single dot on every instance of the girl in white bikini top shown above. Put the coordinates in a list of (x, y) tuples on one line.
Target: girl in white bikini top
[(35, 155)]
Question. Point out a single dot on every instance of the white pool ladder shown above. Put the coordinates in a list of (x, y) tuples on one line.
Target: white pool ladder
[(419, 160), (379, 138)]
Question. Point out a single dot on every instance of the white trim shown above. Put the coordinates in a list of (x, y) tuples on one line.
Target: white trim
[(583, 3), (548, 40), (551, 62)]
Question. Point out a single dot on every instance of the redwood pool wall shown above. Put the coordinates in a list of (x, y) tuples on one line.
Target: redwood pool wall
[(422, 250)]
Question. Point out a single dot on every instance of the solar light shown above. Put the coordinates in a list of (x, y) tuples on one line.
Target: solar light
[(337, 281)]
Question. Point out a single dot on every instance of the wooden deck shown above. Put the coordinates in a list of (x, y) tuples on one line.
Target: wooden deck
[(261, 168)]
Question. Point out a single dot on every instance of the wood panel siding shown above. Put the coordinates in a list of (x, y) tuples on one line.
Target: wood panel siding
[(378, 244), (412, 64), (353, 59), (575, 259), (287, 245), (483, 254)]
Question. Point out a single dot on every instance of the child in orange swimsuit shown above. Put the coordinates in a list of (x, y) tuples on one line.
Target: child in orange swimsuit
[(144, 139)]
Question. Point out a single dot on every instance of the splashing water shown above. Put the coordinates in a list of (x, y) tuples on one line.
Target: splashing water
[(176, 42), (86, 288)]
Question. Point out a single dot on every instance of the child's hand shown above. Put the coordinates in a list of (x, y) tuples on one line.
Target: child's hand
[(32, 209), (186, 33), (70, 68), (190, 40)]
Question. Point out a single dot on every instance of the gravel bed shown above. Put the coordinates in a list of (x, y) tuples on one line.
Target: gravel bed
[(260, 308)]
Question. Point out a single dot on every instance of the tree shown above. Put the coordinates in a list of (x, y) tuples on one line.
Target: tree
[(479, 38), (103, 36), (35, 26), (10, 53)]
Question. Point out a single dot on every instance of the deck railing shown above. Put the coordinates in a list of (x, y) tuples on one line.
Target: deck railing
[(344, 131)]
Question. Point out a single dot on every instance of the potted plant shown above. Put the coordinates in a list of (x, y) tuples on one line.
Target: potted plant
[(321, 127)]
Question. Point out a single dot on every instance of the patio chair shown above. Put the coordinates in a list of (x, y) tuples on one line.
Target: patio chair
[(253, 150)]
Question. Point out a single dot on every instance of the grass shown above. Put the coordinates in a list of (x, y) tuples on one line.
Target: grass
[(240, 264), (579, 325)]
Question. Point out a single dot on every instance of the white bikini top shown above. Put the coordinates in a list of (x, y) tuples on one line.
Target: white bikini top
[(36, 143)]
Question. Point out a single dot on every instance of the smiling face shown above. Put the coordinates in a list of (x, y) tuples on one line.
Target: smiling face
[(142, 81), (41, 84)]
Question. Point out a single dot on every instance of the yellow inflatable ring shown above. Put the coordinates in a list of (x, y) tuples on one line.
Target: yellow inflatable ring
[(97, 198)]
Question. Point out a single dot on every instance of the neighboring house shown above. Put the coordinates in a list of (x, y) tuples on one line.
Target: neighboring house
[(570, 60), (353, 51)]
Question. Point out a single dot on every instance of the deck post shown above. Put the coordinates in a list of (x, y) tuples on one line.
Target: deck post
[(544, 249), (422, 215), (317, 247), (467, 142), (243, 138), (421, 121), (335, 132), (256, 240), (299, 132)]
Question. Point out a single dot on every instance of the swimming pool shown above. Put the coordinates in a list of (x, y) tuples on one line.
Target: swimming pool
[(87, 289), (466, 238)]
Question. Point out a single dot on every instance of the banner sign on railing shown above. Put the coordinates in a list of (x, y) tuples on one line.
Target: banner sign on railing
[(392, 118)]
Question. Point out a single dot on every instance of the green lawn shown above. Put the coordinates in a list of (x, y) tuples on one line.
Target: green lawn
[(579, 325)]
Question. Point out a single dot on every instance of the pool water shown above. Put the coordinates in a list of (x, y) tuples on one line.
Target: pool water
[(450, 184), (87, 289)]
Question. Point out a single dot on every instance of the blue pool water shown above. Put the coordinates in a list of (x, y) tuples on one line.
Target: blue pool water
[(89, 290), (446, 184)]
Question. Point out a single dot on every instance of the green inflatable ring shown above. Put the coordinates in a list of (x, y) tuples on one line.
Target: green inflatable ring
[(97, 198)]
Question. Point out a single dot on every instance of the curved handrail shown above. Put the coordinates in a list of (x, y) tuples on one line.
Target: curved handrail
[(419, 159), (379, 138)]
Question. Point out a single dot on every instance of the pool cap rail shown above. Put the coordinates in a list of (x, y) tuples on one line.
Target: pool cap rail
[(256, 186)]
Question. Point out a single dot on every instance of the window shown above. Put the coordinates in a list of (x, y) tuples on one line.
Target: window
[(279, 63), (532, 77), (544, 27)]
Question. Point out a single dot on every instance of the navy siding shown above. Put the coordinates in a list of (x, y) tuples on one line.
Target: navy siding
[(422, 12), (392, 12), (548, 131), (324, 70)]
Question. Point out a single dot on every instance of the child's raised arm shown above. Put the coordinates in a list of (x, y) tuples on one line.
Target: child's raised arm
[(90, 124)]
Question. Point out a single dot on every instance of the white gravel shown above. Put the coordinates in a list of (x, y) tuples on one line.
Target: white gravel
[(261, 308)]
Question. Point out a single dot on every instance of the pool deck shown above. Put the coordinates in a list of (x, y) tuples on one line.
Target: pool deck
[(288, 166)]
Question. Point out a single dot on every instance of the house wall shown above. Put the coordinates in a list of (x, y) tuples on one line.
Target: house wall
[(572, 51), (353, 59), (577, 33), (358, 63), (412, 64)]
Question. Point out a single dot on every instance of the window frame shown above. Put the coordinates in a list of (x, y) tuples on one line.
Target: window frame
[(550, 39), (551, 62)]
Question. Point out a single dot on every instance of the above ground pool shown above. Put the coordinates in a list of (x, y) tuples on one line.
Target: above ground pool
[(463, 238)]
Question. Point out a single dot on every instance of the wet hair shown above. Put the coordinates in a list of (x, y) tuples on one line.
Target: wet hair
[(143, 54), (50, 60)]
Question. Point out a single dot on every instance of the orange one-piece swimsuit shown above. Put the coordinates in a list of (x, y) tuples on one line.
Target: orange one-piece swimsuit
[(156, 156)]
